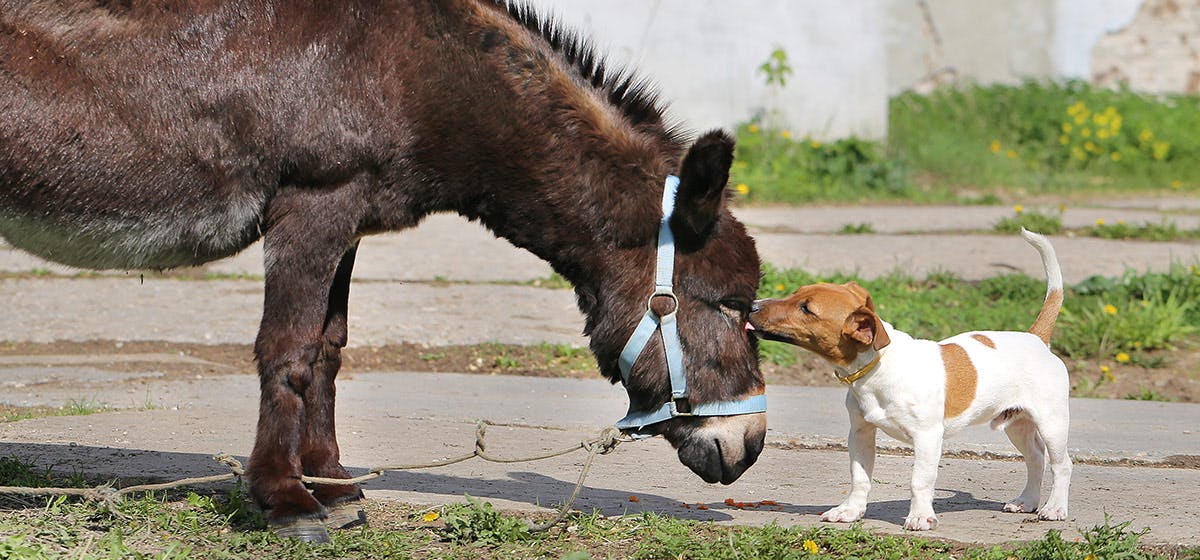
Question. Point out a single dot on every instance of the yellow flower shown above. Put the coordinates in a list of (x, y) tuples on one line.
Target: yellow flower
[(1101, 120), (1176, 184), (1110, 309), (1080, 119), (1064, 139), (1018, 208), (1107, 373), (742, 189), (1062, 208), (780, 287), (1146, 135), (1078, 153), (1089, 146), (995, 147), (1137, 344), (1011, 154), (814, 144), (1099, 221), (1122, 358), (1066, 127), (753, 129), (1120, 222), (430, 517), (1161, 150), (1085, 132), (787, 134), (810, 546), (1102, 134), (1090, 557), (1116, 156)]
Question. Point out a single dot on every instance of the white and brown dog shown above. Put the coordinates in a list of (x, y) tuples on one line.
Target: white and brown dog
[(919, 391)]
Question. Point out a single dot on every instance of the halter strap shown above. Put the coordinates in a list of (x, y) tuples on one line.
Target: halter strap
[(668, 327)]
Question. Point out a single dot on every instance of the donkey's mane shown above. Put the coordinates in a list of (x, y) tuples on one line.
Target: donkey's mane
[(634, 96)]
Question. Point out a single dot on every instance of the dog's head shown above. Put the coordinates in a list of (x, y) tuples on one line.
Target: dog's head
[(835, 321)]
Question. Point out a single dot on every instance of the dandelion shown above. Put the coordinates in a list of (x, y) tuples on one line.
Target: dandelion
[(1116, 156), (787, 134), (1176, 184), (1146, 135), (1064, 139), (430, 516), (1107, 373), (1078, 153), (1110, 309), (1102, 134), (1090, 557), (1089, 146), (781, 287), (814, 144), (753, 129), (1161, 150), (1137, 345), (1085, 132), (1066, 128), (1101, 119), (1120, 222), (742, 189), (1122, 358), (810, 546), (1012, 154), (1062, 208), (1018, 208), (995, 147)]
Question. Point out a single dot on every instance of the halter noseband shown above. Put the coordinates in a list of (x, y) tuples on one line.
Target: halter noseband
[(652, 322)]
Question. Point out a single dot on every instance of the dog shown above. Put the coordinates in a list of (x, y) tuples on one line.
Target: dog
[(920, 391)]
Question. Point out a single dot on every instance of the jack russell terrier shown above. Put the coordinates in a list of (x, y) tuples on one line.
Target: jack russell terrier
[(919, 391)]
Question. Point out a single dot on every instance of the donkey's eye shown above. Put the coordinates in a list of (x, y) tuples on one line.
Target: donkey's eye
[(739, 305)]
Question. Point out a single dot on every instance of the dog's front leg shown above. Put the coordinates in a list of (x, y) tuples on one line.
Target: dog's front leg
[(861, 444), (927, 452)]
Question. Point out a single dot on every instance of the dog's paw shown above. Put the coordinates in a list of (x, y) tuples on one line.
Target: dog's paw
[(920, 522), (1053, 513), (1019, 506), (844, 514)]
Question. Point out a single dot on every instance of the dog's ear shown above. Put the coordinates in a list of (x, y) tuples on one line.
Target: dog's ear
[(860, 292), (865, 327)]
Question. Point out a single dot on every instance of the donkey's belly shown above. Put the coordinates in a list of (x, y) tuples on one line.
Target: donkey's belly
[(151, 241)]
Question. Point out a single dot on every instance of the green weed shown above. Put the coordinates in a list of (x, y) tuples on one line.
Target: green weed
[(856, 229), (1044, 224), (480, 522)]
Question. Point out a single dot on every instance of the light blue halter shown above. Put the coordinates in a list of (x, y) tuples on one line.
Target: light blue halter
[(652, 322)]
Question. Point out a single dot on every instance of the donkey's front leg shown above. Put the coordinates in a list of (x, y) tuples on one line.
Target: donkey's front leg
[(308, 232), (319, 454)]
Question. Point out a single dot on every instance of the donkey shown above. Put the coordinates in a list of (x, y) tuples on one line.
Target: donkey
[(151, 134)]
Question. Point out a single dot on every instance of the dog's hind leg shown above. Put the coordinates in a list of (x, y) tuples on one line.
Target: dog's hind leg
[(1023, 434), (1055, 436)]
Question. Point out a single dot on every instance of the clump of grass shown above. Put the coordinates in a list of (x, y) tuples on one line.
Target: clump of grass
[(1045, 224), (771, 166), (1105, 329), (1162, 231), (856, 229), (1048, 135)]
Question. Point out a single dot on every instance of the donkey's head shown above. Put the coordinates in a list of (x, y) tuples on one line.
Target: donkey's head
[(716, 274)]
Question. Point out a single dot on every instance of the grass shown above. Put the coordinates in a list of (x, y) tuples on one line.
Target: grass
[(71, 408), (225, 525), (971, 143), (1122, 319)]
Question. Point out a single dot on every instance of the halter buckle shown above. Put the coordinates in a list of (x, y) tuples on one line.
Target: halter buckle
[(663, 292), (680, 406)]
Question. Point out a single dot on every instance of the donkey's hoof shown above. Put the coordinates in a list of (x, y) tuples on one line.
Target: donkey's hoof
[(305, 530), (346, 516)]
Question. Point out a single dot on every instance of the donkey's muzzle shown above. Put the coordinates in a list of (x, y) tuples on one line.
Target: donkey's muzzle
[(723, 448)]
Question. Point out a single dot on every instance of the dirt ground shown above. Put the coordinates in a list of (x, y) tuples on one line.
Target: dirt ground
[(1177, 381)]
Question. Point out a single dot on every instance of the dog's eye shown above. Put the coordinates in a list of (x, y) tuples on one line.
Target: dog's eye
[(804, 308)]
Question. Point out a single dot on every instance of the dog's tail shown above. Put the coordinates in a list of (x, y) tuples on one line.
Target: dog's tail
[(1043, 327)]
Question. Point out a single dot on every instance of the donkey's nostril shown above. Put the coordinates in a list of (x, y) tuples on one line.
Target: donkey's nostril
[(754, 307)]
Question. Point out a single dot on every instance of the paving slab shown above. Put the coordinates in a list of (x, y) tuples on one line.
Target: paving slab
[(389, 418)]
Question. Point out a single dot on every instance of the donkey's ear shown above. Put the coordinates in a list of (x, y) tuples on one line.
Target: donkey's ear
[(702, 179)]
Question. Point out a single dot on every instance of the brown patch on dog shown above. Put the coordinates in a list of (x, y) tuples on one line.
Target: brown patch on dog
[(1043, 327), (835, 321), (984, 341), (961, 378)]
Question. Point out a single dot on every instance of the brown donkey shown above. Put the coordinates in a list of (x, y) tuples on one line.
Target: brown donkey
[(150, 134)]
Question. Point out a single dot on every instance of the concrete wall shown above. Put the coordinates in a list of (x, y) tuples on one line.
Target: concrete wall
[(704, 55), (849, 56)]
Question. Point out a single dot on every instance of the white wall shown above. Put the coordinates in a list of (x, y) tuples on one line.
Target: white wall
[(704, 55)]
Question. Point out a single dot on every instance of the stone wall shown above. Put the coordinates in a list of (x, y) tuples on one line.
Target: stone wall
[(1158, 52)]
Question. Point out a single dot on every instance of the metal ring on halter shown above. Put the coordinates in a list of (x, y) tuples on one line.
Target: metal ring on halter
[(666, 294)]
